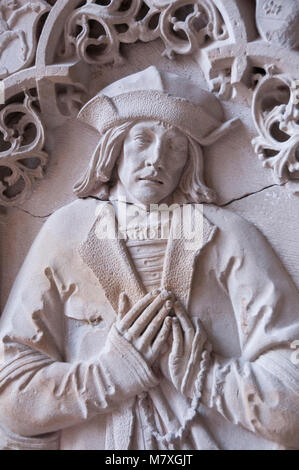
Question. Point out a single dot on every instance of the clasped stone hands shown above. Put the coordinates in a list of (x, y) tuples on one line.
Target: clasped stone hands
[(147, 324), (150, 323)]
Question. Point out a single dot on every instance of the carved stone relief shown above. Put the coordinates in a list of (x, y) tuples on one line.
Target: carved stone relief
[(277, 22), (19, 22), (22, 157), (94, 31), (115, 323)]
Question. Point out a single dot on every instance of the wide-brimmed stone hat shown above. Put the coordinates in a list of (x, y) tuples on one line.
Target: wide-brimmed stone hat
[(157, 95)]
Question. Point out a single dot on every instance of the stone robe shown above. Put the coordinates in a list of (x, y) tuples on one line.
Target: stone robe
[(63, 386)]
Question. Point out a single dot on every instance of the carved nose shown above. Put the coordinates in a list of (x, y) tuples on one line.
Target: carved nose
[(155, 164), (155, 159)]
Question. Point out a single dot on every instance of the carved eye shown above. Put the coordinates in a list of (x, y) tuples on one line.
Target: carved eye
[(142, 140)]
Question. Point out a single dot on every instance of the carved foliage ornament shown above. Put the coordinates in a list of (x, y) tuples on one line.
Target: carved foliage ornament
[(21, 156), (277, 22), (276, 117), (19, 21), (95, 30)]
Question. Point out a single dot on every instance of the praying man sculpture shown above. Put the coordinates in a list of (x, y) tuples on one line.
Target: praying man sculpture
[(119, 337)]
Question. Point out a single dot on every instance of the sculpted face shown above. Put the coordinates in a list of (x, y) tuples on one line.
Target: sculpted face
[(153, 158)]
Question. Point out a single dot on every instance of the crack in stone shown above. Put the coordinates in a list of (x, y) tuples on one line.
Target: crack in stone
[(36, 216), (225, 204)]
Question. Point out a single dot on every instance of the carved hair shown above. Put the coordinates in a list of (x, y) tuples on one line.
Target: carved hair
[(100, 172)]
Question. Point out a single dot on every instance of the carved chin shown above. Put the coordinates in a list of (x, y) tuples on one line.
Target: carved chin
[(149, 191)]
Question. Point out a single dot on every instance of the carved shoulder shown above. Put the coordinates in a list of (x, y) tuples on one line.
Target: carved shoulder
[(237, 237), (73, 221), (229, 223)]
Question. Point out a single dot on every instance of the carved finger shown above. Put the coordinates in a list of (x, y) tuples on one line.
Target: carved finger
[(177, 352), (177, 349), (149, 313), (123, 305), (136, 310), (153, 328), (161, 338), (199, 341), (185, 322)]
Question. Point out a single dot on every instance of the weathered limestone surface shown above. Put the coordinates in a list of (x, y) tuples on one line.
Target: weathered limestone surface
[(55, 56)]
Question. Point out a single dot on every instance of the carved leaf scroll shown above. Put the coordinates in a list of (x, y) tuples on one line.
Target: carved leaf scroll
[(21, 150), (276, 116), (19, 21), (95, 31)]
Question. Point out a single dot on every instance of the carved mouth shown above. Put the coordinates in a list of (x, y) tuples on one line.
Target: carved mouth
[(151, 179)]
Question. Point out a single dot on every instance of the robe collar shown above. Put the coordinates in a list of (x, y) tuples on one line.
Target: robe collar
[(107, 256)]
